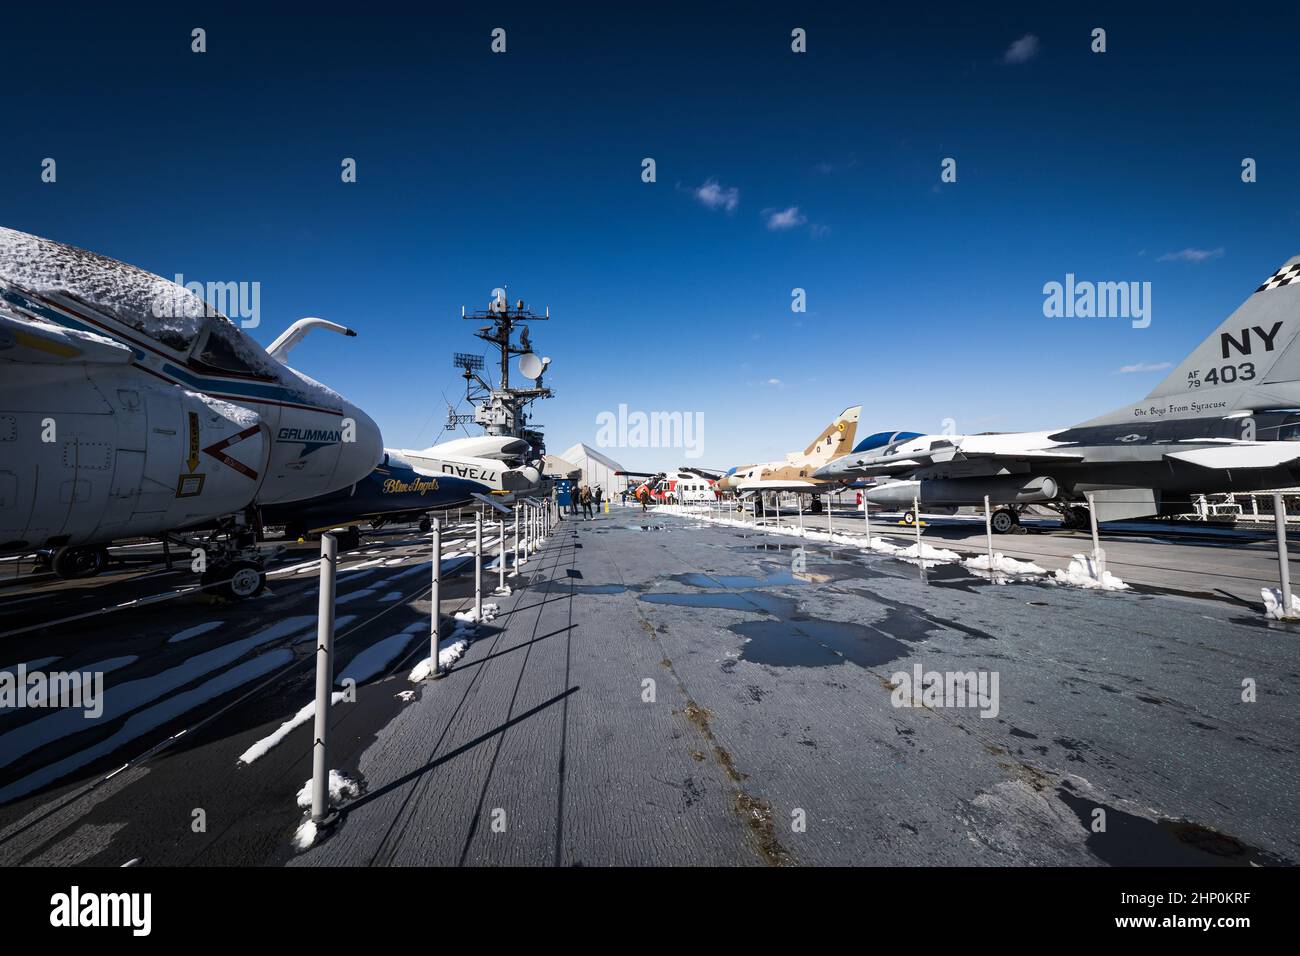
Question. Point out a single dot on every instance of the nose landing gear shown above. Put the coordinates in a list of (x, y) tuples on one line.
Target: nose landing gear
[(79, 561), (232, 566), (1075, 516), (1005, 520), (235, 580)]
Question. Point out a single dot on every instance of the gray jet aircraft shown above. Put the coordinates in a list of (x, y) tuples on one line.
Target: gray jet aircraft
[(1226, 419)]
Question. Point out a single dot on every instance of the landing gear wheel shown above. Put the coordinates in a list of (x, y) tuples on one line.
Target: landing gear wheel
[(816, 507), (235, 581), (1004, 521), (79, 562), (349, 539), (909, 517), (1082, 516), (425, 526)]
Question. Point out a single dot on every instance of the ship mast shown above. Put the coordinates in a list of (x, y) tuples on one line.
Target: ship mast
[(502, 410)]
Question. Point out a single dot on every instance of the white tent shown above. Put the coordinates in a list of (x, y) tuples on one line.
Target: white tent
[(597, 469), (553, 466)]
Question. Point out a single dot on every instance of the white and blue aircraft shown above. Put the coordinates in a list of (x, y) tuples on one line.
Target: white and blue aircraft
[(130, 408)]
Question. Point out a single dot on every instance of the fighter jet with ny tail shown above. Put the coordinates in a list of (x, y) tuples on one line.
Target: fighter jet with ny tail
[(1227, 419)]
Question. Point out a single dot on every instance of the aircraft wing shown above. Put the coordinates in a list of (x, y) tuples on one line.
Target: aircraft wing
[(884, 465), (40, 343), (775, 484), (494, 502), (1243, 455)]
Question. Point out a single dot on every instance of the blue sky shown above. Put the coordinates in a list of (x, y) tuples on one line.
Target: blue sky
[(474, 169)]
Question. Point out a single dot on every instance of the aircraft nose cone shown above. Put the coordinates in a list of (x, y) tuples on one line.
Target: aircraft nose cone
[(358, 458)]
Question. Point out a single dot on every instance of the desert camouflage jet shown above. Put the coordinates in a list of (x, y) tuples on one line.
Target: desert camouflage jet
[(795, 473)]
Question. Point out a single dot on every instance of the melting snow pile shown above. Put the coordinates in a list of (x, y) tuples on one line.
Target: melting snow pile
[(489, 612), (881, 545), (1273, 604), (263, 746), (926, 554), (503, 591), (1003, 564), (453, 647), (449, 652), (849, 539), (341, 787), (305, 835), (1082, 573)]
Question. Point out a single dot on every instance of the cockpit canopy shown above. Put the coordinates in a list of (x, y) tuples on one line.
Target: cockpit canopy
[(881, 439)]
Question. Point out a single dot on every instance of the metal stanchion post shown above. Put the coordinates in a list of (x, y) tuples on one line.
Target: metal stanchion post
[(501, 558), (798, 498), (516, 570), (988, 534), (320, 800), (478, 566), (435, 596), (1098, 555), (830, 526), (916, 520), (1283, 561), (866, 516)]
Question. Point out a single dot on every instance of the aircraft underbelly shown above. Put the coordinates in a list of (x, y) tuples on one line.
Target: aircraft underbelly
[(123, 457)]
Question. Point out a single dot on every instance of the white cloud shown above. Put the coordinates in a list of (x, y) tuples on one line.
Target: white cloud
[(713, 195), (1191, 255), (1146, 367), (1022, 51), (773, 381), (784, 218)]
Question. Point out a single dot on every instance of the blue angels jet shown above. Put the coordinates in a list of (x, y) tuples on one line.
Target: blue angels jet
[(408, 485)]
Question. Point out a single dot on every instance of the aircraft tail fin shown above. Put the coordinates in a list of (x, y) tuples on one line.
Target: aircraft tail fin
[(836, 438), (1256, 347)]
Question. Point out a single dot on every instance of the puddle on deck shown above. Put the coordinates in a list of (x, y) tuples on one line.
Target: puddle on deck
[(810, 642), (753, 601), (1136, 841)]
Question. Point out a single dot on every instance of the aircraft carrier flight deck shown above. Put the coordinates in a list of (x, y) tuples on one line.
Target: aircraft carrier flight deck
[(665, 687)]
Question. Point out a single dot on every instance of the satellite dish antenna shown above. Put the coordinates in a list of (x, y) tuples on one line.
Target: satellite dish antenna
[(531, 366)]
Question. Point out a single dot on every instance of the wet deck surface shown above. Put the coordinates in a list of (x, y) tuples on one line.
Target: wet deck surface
[(669, 692), (659, 690)]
